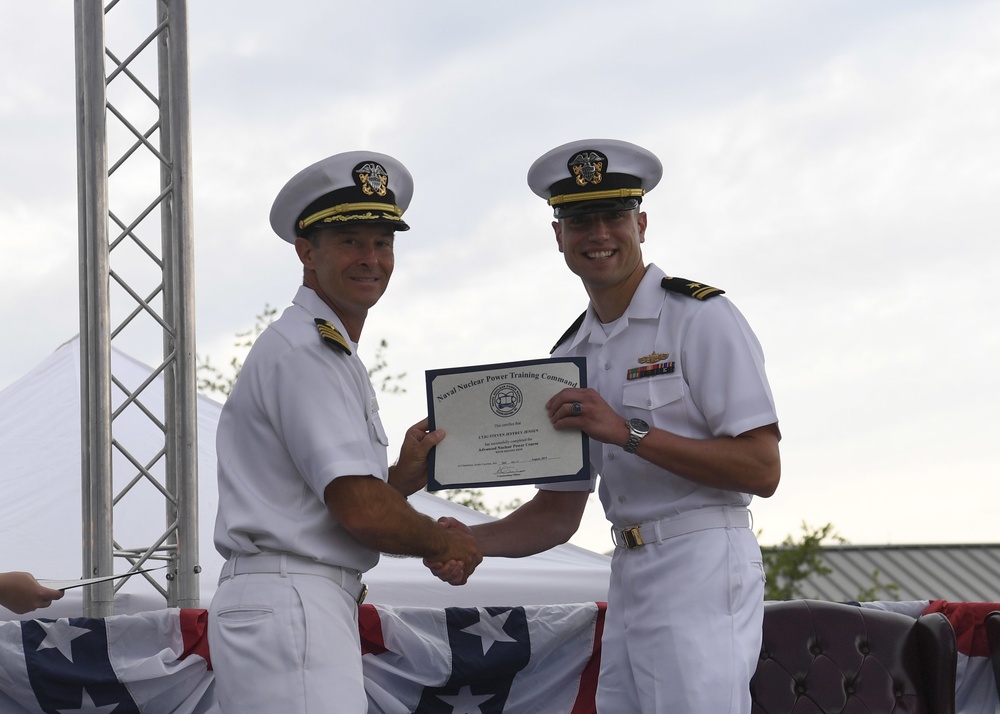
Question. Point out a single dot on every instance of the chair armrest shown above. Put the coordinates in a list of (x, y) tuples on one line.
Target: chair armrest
[(939, 654)]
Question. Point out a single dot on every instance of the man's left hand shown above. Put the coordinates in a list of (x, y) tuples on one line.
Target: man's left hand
[(409, 473)]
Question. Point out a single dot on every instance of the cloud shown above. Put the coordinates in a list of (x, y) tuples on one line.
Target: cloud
[(832, 165)]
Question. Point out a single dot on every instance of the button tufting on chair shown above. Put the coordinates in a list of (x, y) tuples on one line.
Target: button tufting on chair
[(884, 662)]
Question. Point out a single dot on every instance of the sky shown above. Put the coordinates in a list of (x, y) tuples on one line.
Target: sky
[(833, 165)]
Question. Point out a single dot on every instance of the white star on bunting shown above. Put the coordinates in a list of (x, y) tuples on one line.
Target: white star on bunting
[(465, 702), (490, 629), (87, 705), (61, 636)]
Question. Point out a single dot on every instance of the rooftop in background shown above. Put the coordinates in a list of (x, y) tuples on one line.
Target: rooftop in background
[(957, 573)]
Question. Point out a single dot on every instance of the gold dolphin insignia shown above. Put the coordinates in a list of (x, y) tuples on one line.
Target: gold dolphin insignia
[(651, 358)]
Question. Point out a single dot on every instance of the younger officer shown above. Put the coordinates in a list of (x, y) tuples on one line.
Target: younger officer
[(307, 500), (683, 432)]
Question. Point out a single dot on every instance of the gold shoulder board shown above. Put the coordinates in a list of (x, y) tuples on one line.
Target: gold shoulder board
[(331, 335), (698, 291)]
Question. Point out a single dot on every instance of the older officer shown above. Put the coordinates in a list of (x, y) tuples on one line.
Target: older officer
[(683, 432), (307, 499)]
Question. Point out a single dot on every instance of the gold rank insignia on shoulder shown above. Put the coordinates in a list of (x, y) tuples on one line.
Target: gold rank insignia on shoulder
[(331, 335), (651, 358), (698, 291)]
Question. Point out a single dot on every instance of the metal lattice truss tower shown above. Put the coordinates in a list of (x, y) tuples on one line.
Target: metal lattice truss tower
[(136, 289)]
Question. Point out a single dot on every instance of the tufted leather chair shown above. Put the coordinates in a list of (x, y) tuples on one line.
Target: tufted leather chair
[(992, 623), (823, 657)]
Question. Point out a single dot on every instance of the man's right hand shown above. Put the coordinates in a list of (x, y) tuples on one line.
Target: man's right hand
[(461, 555), (21, 593)]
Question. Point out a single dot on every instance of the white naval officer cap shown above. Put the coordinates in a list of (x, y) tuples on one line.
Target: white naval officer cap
[(355, 187), (594, 175)]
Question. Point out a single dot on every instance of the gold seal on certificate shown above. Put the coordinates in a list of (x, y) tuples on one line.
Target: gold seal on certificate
[(498, 430)]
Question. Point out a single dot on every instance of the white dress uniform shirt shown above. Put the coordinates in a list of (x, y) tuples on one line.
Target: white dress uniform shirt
[(684, 615), (713, 384), (301, 414)]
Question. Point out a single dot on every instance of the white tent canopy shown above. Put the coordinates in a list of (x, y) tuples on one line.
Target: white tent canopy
[(40, 507)]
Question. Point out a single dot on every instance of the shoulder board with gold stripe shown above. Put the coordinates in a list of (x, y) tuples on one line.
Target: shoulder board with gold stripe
[(331, 335), (569, 333), (690, 288)]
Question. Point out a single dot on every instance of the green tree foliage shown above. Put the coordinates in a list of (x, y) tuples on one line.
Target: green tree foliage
[(789, 565), (879, 590), (215, 380), (220, 381), (474, 498)]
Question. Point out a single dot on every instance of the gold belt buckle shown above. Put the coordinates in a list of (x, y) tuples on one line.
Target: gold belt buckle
[(632, 537)]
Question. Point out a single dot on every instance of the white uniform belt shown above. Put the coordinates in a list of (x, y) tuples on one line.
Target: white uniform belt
[(290, 564), (702, 519)]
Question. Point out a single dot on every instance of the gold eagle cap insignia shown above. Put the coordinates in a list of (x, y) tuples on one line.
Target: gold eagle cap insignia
[(331, 335), (373, 179), (653, 358), (587, 167)]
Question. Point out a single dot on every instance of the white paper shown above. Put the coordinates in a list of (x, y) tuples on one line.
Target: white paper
[(67, 584)]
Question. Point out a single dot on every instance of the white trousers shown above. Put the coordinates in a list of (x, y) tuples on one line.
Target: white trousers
[(683, 627), (285, 644)]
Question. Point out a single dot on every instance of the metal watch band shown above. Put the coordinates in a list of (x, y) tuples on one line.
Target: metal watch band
[(635, 436)]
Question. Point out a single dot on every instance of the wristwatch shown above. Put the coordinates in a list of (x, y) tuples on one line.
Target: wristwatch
[(637, 429)]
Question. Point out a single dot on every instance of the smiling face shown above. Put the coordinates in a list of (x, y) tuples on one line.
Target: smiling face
[(349, 268), (604, 249)]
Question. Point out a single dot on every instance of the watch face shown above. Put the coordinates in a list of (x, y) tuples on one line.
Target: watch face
[(638, 425)]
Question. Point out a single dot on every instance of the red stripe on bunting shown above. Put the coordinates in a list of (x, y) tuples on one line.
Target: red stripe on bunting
[(194, 631), (968, 620), (370, 625), (585, 698)]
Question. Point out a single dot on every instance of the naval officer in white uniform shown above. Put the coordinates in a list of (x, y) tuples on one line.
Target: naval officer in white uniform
[(683, 433), (307, 500)]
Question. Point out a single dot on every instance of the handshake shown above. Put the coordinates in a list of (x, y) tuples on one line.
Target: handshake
[(459, 554)]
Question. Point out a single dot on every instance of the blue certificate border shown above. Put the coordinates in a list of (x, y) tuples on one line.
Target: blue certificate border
[(430, 375)]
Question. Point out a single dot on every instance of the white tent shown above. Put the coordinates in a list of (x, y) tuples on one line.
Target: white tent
[(40, 506)]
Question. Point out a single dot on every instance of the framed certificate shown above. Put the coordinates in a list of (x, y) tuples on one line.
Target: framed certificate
[(498, 430)]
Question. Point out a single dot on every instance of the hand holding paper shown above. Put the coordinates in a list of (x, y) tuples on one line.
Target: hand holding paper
[(67, 584), (21, 593)]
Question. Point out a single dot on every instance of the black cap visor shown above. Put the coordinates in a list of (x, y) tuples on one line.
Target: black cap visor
[(581, 208)]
